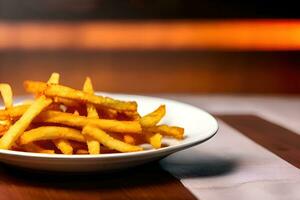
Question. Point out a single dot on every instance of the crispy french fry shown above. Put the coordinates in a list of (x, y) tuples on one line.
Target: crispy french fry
[(6, 93), (4, 125), (54, 78), (51, 133), (66, 102), (20, 126), (2, 132), (16, 112), (109, 141), (129, 139), (69, 93), (76, 113), (64, 146), (154, 139), (81, 121), (88, 88), (93, 145), (13, 112), (135, 116), (173, 131), (154, 117)]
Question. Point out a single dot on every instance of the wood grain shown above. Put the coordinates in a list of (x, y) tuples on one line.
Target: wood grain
[(145, 182), (281, 141), (152, 35)]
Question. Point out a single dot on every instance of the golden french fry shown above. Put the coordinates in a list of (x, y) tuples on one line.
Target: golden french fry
[(4, 125), (93, 145), (135, 116), (173, 131), (109, 141), (2, 132), (64, 146), (69, 93), (16, 112), (91, 110), (129, 139), (20, 126), (51, 133), (31, 147), (13, 112), (66, 102), (81, 121), (154, 139), (154, 117), (6, 92), (54, 78)]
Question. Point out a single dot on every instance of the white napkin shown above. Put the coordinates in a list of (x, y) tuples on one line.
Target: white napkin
[(231, 166)]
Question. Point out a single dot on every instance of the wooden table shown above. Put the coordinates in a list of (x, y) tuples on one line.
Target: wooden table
[(151, 181)]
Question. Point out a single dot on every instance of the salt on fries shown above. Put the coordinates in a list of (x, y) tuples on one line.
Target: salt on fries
[(63, 120)]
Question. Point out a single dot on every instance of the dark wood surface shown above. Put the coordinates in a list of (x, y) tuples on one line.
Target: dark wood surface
[(144, 182), (281, 141)]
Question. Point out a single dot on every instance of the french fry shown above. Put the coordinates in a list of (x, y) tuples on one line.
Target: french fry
[(4, 125), (173, 131), (16, 112), (20, 126), (51, 133), (109, 141), (66, 102), (154, 117), (54, 78), (63, 145), (69, 93), (7, 96), (13, 112), (88, 88), (69, 119), (93, 145), (129, 139), (154, 139), (2, 131)]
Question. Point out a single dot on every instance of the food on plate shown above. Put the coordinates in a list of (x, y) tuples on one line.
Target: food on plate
[(63, 120)]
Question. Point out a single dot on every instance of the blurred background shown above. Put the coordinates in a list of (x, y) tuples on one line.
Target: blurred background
[(151, 46)]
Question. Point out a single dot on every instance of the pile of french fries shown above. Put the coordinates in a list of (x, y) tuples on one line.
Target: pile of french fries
[(63, 120)]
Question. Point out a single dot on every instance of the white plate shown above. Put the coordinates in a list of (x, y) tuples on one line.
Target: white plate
[(199, 126)]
